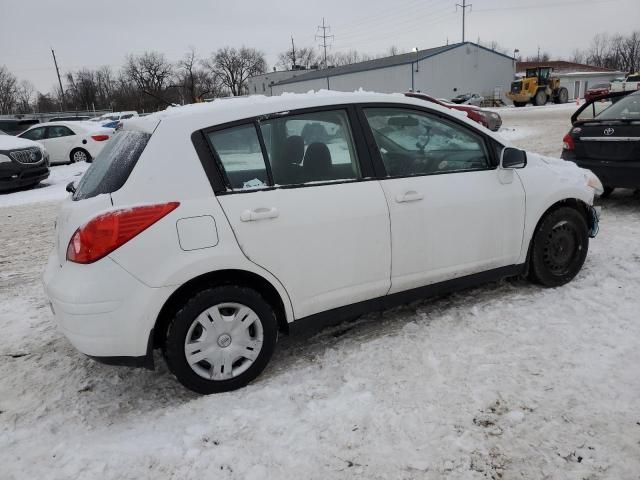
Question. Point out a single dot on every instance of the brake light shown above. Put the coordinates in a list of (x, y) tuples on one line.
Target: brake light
[(100, 138), (105, 233), (567, 142)]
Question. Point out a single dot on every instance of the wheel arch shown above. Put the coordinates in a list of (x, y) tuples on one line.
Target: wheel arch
[(575, 203), (216, 278)]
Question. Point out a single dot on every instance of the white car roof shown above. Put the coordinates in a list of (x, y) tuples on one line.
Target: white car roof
[(189, 118)]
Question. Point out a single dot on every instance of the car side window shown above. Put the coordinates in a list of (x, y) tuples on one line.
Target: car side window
[(58, 131), (238, 149), (411, 142), (35, 134), (310, 147)]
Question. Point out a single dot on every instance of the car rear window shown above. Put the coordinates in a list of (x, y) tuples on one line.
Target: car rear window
[(111, 168)]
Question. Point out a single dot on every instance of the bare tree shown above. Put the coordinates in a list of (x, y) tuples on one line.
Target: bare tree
[(194, 81), (8, 90), (24, 95), (150, 71), (233, 67), (346, 58), (304, 56)]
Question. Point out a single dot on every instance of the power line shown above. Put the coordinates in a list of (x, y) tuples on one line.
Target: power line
[(324, 38), (464, 7)]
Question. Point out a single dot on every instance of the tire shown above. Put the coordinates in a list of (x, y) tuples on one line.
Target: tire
[(236, 334), (559, 247), (607, 191), (519, 104), (540, 98), (79, 155), (562, 96)]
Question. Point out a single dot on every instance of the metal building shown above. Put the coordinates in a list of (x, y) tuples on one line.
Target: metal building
[(442, 72)]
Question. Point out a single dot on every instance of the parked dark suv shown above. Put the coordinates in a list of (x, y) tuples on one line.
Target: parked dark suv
[(15, 126), (23, 163)]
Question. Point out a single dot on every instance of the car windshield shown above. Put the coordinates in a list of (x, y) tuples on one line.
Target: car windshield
[(627, 108)]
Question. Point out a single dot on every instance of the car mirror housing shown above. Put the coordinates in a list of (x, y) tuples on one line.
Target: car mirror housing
[(513, 158)]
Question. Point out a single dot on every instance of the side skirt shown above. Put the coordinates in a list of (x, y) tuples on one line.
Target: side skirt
[(317, 321)]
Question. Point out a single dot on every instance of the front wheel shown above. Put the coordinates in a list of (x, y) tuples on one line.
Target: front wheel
[(540, 98), (519, 104), (221, 339), (559, 247)]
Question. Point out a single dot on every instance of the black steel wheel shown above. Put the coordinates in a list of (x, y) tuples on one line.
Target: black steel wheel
[(560, 246)]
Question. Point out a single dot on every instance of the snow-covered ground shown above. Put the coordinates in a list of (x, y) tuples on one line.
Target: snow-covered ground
[(505, 381), (53, 188)]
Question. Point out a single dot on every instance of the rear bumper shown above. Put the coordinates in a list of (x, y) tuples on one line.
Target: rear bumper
[(625, 174), (104, 311)]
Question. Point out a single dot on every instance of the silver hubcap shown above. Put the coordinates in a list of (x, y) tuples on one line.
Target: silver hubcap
[(223, 341), (79, 156)]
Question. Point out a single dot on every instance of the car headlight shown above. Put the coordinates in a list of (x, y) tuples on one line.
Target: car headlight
[(594, 182), (4, 159)]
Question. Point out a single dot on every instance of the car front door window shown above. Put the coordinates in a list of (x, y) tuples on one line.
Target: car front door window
[(416, 143), (35, 134)]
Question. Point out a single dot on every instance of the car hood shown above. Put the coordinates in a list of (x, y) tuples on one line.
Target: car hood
[(567, 171), (8, 142)]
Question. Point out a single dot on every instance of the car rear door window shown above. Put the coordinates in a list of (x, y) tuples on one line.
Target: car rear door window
[(57, 131), (417, 143), (311, 147)]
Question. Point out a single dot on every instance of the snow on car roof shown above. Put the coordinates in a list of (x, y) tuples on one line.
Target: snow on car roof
[(201, 115)]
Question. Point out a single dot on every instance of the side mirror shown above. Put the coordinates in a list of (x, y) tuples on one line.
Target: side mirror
[(71, 187), (513, 158)]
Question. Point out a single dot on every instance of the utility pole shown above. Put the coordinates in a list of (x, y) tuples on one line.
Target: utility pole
[(538, 52), (293, 53), (464, 7), (324, 38), (59, 80)]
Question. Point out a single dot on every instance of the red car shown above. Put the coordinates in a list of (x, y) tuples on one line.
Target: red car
[(491, 120), (596, 91)]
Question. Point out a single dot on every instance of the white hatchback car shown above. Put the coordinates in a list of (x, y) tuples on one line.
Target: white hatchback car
[(69, 141), (209, 229)]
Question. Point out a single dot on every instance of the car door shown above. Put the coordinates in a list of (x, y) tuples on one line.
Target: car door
[(303, 204), (59, 141), (452, 214)]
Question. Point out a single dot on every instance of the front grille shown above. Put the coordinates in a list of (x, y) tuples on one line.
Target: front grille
[(28, 156)]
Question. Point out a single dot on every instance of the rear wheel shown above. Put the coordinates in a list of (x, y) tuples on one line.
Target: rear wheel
[(221, 339), (540, 98), (559, 247), (79, 155)]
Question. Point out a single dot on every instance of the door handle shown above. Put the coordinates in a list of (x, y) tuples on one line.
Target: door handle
[(410, 196), (259, 214)]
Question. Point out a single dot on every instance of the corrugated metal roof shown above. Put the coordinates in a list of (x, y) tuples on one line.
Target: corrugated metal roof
[(404, 58)]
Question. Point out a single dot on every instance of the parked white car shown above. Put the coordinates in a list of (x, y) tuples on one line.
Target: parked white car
[(113, 116), (629, 84), (209, 229), (69, 141)]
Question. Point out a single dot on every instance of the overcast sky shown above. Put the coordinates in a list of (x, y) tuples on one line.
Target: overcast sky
[(87, 33)]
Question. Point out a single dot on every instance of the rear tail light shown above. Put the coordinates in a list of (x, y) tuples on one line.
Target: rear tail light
[(102, 235), (100, 138), (567, 142)]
